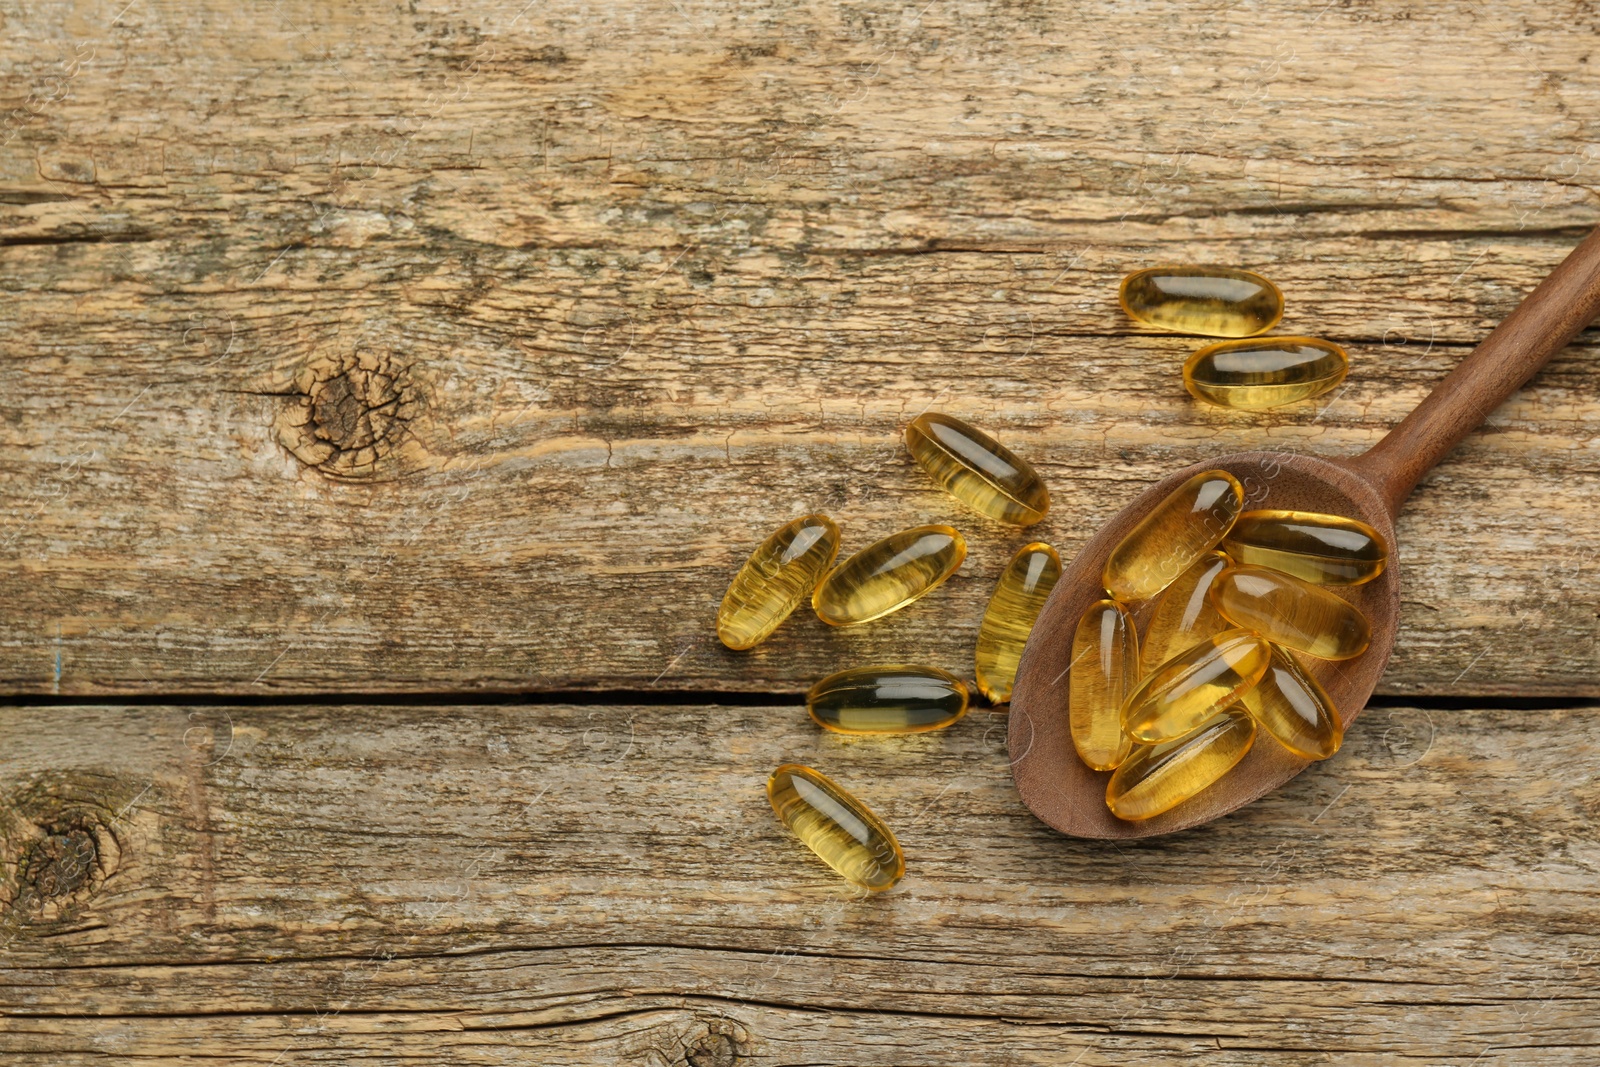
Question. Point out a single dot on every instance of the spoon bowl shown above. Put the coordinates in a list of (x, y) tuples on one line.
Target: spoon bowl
[(1057, 785), (1372, 487)]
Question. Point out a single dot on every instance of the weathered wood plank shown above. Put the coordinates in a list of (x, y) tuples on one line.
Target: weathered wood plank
[(175, 544), (596, 884), (588, 299)]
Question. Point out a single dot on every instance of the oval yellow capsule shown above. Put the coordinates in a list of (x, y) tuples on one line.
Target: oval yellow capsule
[(1009, 618), (1184, 616), (1289, 704), (888, 575), (976, 469), (1185, 526), (777, 577), (1157, 778), (1290, 612), (836, 826), (1264, 372), (1194, 685), (1211, 301), (893, 699), (1321, 549), (1104, 669)]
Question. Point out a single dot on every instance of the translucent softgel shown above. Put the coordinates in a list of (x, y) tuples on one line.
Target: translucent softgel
[(1210, 301), (836, 826), (1157, 778), (895, 698), (775, 580), (888, 575), (1177, 532), (977, 470), (1264, 372), (1013, 609)]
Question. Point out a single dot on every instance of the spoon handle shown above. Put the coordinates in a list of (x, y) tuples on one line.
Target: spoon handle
[(1541, 326)]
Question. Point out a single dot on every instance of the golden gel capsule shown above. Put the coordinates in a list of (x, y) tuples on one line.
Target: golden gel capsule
[(1212, 301), (894, 699), (1322, 549), (1184, 527), (1184, 615), (1194, 685), (1290, 705), (836, 826), (1105, 668), (1264, 372), (1008, 620), (1290, 612), (1157, 778), (977, 470), (888, 575), (779, 574)]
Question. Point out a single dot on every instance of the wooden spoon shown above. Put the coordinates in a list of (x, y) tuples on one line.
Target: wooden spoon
[(1371, 487)]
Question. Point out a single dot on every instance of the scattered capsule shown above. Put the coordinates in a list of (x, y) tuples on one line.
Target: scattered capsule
[(1290, 705), (836, 826), (1182, 528), (779, 574), (1105, 667), (1322, 549), (977, 470), (894, 699), (1290, 612), (1184, 616), (1194, 685), (1264, 372), (1018, 596), (888, 575), (1157, 778), (1212, 301)]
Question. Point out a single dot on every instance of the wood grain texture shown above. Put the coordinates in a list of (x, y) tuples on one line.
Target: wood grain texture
[(452, 347), (500, 884), (440, 347)]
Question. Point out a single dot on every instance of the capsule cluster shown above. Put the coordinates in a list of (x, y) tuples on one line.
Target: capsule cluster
[(797, 563), (1248, 374), (1234, 598), (1235, 594)]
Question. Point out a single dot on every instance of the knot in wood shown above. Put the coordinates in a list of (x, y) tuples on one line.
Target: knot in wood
[(59, 864), (347, 413), (720, 1042), (712, 1050)]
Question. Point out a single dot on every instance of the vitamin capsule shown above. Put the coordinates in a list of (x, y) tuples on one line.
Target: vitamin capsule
[(1264, 372), (1157, 778), (1105, 667), (1290, 612), (977, 470), (1213, 301), (895, 699), (1008, 620), (888, 575), (836, 826), (1168, 541), (1322, 549), (1290, 705), (779, 574), (1184, 615), (1194, 685)]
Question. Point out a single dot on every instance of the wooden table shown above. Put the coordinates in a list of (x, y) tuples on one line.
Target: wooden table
[(391, 390)]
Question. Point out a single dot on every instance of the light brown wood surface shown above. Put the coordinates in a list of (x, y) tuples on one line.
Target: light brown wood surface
[(560, 884), (434, 348), (639, 305)]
